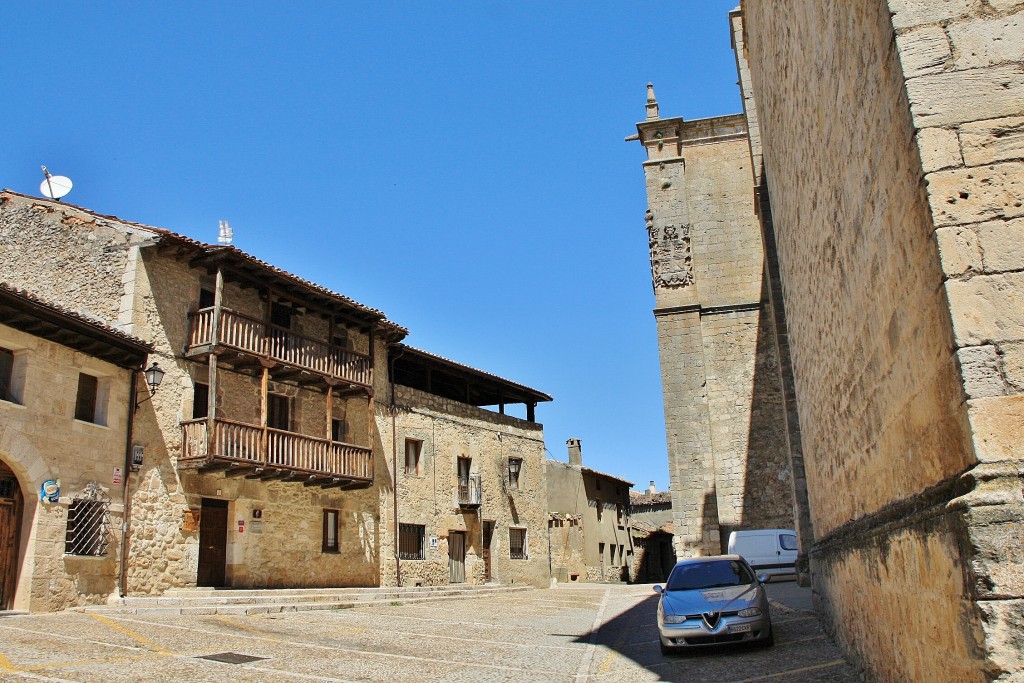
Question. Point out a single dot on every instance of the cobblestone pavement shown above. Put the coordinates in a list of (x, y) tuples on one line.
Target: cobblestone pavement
[(538, 635)]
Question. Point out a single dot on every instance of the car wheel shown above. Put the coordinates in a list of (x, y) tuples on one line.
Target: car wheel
[(770, 640), (665, 649)]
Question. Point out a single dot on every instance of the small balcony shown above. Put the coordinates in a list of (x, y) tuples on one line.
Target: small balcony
[(248, 450), (258, 339), (470, 492)]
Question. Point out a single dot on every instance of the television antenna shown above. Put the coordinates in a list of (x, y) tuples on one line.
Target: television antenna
[(54, 186)]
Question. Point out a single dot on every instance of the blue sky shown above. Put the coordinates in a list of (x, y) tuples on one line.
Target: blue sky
[(460, 166)]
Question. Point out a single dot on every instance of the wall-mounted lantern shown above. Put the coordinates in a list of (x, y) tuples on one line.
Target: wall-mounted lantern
[(154, 376)]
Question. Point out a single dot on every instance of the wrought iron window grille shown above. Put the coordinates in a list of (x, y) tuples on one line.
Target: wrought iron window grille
[(88, 528)]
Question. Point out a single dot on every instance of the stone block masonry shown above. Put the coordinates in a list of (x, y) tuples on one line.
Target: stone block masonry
[(890, 134)]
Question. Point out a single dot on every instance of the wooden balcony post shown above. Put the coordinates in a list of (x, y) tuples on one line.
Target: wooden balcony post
[(264, 390), (330, 411), (211, 407), (218, 302)]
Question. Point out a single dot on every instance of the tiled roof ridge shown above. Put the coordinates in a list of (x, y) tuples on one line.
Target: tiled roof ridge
[(80, 316), (205, 246)]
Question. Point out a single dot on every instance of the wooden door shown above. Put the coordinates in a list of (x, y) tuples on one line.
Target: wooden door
[(10, 522), (213, 542), (488, 535), (457, 557)]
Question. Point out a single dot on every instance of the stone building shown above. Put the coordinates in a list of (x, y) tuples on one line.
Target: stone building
[(589, 528), (471, 482), (887, 176), (67, 396), (650, 514), (268, 450), (724, 414)]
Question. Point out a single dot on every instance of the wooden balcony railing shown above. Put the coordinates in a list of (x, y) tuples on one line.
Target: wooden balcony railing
[(236, 444), (470, 491), (250, 335)]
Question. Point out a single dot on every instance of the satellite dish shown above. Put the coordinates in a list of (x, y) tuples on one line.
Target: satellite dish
[(54, 186)]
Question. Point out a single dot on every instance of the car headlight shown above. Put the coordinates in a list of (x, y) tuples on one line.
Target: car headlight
[(750, 612), (674, 618)]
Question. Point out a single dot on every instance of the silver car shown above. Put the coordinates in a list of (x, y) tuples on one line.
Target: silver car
[(713, 600)]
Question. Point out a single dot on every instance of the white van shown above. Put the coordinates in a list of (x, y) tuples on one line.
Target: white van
[(768, 551)]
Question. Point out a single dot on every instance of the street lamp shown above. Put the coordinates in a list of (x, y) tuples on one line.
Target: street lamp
[(154, 376)]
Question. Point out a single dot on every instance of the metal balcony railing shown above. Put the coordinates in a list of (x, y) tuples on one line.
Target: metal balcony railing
[(251, 335)]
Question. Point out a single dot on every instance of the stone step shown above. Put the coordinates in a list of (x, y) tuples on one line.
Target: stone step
[(270, 601)]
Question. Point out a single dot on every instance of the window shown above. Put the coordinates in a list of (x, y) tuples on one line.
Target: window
[(6, 375), (88, 530), (788, 542), (410, 541), (618, 514), (206, 298), (277, 412), (413, 448), (200, 400), (90, 403), (330, 544), (338, 429), (600, 551), (341, 338), (463, 467), (515, 466), (517, 543), (599, 506)]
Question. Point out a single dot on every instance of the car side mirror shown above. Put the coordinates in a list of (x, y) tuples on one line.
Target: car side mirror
[(763, 578), (658, 588)]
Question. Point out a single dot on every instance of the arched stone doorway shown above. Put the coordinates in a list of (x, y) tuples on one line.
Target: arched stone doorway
[(10, 522)]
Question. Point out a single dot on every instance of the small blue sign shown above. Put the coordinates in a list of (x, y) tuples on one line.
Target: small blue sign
[(49, 492)]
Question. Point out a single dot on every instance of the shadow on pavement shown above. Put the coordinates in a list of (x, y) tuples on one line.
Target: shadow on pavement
[(802, 652)]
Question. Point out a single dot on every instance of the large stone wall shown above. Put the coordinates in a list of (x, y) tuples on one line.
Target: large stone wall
[(891, 147), (39, 440)]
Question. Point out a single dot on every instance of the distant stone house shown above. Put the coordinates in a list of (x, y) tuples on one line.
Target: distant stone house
[(650, 513), (67, 395), (588, 521), (270, 449)]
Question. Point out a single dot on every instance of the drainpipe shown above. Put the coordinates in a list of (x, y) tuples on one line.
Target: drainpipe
[(122, 574), (394, 465)]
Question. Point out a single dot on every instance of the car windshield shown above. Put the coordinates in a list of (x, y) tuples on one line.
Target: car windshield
[(715, 574)]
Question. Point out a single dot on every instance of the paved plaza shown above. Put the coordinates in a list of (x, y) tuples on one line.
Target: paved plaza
[(573, 633)]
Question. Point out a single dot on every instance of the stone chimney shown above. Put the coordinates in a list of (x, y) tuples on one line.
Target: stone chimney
[(652, 489), (575, 453)]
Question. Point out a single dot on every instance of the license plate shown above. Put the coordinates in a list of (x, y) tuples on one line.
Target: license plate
[(739, 628)]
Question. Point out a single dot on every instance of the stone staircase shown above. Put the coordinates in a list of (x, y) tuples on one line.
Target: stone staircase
[(196, 601)]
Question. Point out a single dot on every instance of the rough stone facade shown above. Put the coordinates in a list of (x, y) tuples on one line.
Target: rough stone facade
[(650, 515), (890, 137), (589, 526), (724, 414), (149, 282), (428, 494), (41, 440)]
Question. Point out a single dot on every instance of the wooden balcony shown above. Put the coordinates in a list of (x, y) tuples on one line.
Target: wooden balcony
[(258, 339), (247, 450), (470, 492)]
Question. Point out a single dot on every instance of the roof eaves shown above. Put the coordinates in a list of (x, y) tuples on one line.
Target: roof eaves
[(540, 395)]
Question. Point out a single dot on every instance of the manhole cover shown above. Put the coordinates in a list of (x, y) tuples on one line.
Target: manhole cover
[(231, 658)]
